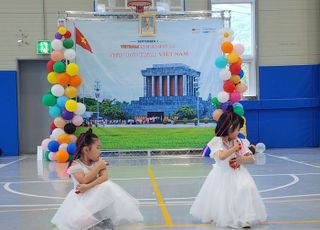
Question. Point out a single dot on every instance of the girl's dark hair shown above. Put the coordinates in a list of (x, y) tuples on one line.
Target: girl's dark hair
[(228, 121), (84, 139)]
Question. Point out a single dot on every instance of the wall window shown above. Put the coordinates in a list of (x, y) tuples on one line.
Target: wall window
[(243, 24)]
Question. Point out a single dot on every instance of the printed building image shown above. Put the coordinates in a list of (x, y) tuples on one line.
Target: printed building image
[(166, 88)]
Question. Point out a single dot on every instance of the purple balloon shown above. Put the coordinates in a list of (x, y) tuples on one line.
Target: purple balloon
[(58, 36), (66, 114), (226, 105)]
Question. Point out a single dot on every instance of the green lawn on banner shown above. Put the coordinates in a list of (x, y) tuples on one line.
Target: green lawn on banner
[(152, 138)]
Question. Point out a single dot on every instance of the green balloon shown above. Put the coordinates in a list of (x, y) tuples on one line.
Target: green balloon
[(59, 67), (49, 100), (238, 110), (70, 157), (214, 101), (219, 106), (46, 155), (68, 43)]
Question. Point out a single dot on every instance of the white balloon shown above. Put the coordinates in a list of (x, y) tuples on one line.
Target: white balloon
[(223, 97), (225, 74), (57, 90), (239, 48), (56, 44), (260, 148), (63, 146), (228, 39), (69, 54), (56, 133), (80, 109)]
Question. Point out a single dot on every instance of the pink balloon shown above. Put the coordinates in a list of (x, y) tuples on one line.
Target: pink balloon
[(56, 55), (235, 97), (73, 138), (44, 144), (52, 156), (77, 120), (238, 48), (217, 114), (241, 88)]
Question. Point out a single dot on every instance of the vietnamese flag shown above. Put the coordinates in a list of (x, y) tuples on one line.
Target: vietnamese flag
[(81, 40)]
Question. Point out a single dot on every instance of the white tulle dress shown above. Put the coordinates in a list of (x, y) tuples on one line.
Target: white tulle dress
[(104, 201), (228, 197)]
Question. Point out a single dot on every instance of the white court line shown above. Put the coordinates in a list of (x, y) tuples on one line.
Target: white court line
[(293, 196), (28, 205), (288, 159), (146, 178), (12, 162), (8, 189), (153, 202), (295, 180)]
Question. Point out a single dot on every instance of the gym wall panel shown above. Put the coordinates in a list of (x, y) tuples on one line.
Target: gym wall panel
[(9, 142)]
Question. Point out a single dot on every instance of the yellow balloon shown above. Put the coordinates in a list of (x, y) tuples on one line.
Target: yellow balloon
[(72, 69), (235, 79), (62, 30), (71, 105), (233, 57), (52, 77), (71, 92)]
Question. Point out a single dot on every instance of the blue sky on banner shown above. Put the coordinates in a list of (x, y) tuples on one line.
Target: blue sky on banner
[(120, 53)]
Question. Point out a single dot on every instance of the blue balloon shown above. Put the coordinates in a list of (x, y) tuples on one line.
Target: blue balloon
[(241, 136), (241, 74), (71, 148), (237, 104), (54, 111), (53, 146), (61, 101), (221, 62)]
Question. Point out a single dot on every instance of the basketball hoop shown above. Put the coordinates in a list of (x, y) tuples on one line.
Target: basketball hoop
[(139, 5)]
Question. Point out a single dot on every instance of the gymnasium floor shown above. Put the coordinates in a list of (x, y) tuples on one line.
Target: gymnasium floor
[(288, 179)]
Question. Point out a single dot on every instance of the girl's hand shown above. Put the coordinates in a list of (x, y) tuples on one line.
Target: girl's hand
[(236, 145), (239, 160), (246, 159), (101, 164), (81, 188)]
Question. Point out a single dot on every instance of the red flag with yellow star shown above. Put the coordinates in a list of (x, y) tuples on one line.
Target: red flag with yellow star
[(81, 40)]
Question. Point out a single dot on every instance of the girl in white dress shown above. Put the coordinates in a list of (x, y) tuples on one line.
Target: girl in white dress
[(95, 199), (229, 196)]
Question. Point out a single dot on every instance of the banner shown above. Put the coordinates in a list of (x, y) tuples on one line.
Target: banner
[(149, 77)]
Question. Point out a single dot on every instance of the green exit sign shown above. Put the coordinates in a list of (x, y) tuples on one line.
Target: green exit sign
[(44, 47)]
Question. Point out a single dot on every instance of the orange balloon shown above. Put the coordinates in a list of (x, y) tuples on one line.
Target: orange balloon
[(235, 79), (233, 57), (239, 61), (226, 47), (75, 81), (71, 92), (63, 138), (63, 79), (62, 156)]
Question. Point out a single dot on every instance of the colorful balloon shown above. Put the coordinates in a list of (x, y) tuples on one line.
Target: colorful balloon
[(72, 69), (226, 47), (71, 105)]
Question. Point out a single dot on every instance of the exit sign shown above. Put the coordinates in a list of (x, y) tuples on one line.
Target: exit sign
[(44, 47)]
